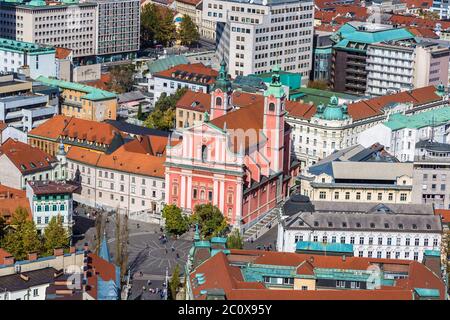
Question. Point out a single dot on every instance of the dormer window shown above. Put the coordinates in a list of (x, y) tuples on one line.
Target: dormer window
[(414, 226), (344, 224), (316, 223), (218, 101), (358, 225), (330, 224), (272, 107), (386, 225), (372, 225), (400, 226)]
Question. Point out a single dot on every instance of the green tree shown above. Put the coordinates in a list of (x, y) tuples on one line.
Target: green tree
[(188, 33), (149, 24), (174, 283), (2, 228), (234, 240), (157, 25), (139, 113), (176, 221), (55, 235), (318, 84), (23, 237), (163, 116), (121, 78), (211, 221)]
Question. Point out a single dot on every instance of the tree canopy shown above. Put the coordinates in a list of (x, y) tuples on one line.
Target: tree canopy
[(174, 283), (163, 116), (55, 235), (210, 220), (22, 238), (188, 33), (176, 222), (121, 78), (234, 240), (157, 25)]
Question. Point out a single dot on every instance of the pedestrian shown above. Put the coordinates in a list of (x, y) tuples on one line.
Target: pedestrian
[(166, 250), (251, 240), (149, 282), (178, 255), (173, 249)]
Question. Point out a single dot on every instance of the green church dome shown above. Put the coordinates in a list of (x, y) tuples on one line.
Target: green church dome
[(333, 111)]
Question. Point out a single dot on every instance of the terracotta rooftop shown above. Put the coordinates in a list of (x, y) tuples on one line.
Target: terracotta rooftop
[(72, 127), (62, 53), (219, 272), (413, 21), (331, 4), (423, 4), (191, 2), (10, 200), (26, 158), (3, 254), (423, 32), (3, 126), (196, 73), (121, 160), (444, 213)]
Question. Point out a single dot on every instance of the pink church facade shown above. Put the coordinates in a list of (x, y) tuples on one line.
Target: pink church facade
[(238, 159)]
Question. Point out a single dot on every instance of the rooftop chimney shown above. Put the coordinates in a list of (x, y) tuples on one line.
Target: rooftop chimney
[(32, 256)]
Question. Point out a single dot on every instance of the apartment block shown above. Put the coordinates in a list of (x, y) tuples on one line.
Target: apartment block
[(405, 65), (67, 24), (118, 29), (255, 36), (349, 60), (432, 174)]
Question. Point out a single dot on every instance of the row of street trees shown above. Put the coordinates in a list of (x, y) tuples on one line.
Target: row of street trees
[(21, 237), (208, 217), (158, 27)]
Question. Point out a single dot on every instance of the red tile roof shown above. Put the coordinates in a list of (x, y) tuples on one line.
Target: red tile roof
[(3, 126), (121, 160), (195, 73), (62, 53), (331, 4), (98, 267), (26, 158), (414, 21), (191, 2), (60, 125), (444, 213), (423, 32), (3, 254), (219, 273), (10, 200)]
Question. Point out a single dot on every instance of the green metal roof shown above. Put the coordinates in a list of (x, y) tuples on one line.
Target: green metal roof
[(92, 93), (318, 96), (202, 244), (166, 63), (350, 34), (324, 247), (422, 292), (21, 47), (419, 120), (432, 253), (218, 240)]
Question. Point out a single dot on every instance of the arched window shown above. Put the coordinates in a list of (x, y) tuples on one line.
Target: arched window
[(272, 106), (204, 153), (218, 101)]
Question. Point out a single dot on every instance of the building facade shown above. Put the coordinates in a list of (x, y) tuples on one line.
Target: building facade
[(195, 77), (352, 181), (432, 174), (374, 230), (401, 132), (244, 178), (39, 59), (256, 36), (130, 182), (51, 199), (21, 163), (319, 130), (118, 29), (349, 61), (84, 102), (405, 65), (68, 24)]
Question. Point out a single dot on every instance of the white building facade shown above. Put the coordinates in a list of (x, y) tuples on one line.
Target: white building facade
[(378, 233), (255, 36)]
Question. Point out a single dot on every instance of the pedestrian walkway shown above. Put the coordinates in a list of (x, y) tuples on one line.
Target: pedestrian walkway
[(262, 226)]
